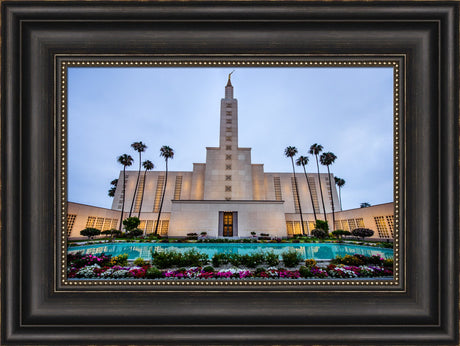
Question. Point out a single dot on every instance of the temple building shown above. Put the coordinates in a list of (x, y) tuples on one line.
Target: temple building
[(229, 196)]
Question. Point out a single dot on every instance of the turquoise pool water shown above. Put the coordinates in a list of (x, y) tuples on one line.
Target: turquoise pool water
[(317, 251)]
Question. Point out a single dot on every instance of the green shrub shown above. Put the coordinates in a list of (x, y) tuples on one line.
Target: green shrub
[(131, 223), (340, 232), (135, 232), (165, 259), (362, 232), (208, 269), (309, 262), (90, 232), (291, 258), (320, 224), (355, 260), (219, 259), (388, 262), (120, 260), (319, 233), (234, 259), (192, 258), (253, 260), (153, 273), (305, 272), (139, 262), (272, 259)]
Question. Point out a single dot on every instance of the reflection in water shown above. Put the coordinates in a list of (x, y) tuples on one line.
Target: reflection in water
[(313, 250)]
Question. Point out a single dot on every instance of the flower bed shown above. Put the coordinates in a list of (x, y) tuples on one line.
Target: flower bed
[(102, 267)]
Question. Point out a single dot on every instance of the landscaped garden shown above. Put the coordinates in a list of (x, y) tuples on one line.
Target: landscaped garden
[(195, 265)]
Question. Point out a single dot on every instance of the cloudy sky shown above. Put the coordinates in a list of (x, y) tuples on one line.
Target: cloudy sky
[(347, 110)]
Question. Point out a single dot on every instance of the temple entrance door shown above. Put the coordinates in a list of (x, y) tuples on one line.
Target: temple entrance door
[(228, 224)]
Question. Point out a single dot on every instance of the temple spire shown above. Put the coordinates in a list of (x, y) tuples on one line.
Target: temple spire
[(229, 87), (229, 83)]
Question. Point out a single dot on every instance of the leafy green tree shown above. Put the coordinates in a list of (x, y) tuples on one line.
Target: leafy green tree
[(362, 232), (303, 161), (315, 149), (291, 152), (131, 223), (167, 153), (90, 232), (126, 160), (148, 166), (340, 183), (328, 159), (140, 148), (365, 205)]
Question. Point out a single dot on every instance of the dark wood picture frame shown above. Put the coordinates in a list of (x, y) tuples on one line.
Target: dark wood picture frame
[(36, 309)]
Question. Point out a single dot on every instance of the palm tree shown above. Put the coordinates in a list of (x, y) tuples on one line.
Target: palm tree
[(303, 161), (139, 147), (340, 183), (167, 153), (126, 160), (291, 152), (148, 166), (315, 149), (328, 159), (112, 190)]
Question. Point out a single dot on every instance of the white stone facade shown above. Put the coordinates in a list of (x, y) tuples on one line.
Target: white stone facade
[(227, 183)]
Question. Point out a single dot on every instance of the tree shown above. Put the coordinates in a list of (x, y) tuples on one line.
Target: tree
[(291, 152), (90, 232), (315, 149), (340, 183), (362, 232), (112, 190), (365, 205), (126, 160), (320, 224), (131, 223), (139, 147), (167, 153), (328, 159), (303, 161)]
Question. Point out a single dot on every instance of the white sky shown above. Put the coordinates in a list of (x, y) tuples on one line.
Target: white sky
[(347, 110)]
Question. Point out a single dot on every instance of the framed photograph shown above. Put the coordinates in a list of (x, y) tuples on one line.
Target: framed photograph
[(225, 136)]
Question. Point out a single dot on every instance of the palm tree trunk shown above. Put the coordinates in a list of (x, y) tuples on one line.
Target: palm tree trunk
[(123, 205), (311, 195), (332, 199), (142, 196), (137, 183), (162, 198), (320, 188), (298, 197)]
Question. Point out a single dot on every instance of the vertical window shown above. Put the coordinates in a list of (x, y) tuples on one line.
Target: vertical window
[(228, 139), (178, 187), (360, 223), (90, 222), (277, 184), (314, 193), (391, 224), (107, 224), (311, 225), (228, 147), (295, 195), (352, 224), (158, 193), (289, 228), (140, 190), (381, 227), (70, 222)]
